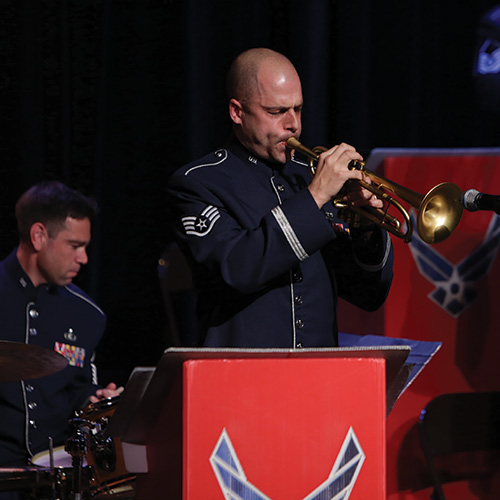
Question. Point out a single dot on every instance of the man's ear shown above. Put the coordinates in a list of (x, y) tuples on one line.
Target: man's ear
[(235, 111), (38, 235)]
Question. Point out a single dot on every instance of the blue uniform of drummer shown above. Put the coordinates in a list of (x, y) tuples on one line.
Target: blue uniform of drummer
[(39, 305)]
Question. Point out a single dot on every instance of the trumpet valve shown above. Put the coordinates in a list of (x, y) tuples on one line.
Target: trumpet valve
[(356, 165)]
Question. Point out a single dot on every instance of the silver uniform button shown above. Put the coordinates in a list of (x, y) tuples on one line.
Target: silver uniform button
[(30, 388), (299, 323), (33, 331), (32, 405), (32, 424), (34, 313), (299, 345)]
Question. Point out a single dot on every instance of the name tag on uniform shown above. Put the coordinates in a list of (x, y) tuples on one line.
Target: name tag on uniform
[(74, 354)]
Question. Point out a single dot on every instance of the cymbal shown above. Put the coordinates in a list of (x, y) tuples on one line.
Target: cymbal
[(20, 361)]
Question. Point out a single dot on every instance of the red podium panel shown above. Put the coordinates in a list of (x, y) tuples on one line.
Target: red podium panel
[(270, 427)]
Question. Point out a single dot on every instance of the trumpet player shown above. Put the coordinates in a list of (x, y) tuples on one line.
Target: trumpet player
[(268, 253)]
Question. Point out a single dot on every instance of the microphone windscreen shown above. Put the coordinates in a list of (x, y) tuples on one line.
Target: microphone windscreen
[(469, 199)]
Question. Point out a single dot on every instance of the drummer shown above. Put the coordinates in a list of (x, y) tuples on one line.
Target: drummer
[(39, 305)]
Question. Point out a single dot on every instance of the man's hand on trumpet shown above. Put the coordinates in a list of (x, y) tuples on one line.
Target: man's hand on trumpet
[(332, 174)]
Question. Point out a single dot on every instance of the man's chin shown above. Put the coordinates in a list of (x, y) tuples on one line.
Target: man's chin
[(281, 156)]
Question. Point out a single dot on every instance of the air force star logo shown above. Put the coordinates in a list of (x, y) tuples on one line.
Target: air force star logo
[(201, 225), (455, 283), (338, 485), (488, 61)]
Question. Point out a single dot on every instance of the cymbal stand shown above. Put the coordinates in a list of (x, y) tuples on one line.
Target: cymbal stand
[(76, 446), (54, 478)]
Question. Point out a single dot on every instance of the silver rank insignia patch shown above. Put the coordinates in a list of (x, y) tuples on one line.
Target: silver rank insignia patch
[(201, 225)]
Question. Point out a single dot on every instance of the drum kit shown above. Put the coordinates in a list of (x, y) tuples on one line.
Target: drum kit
[(90, 465)]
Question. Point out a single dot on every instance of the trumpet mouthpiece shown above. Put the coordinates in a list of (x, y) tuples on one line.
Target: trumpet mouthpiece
[(292, 143)]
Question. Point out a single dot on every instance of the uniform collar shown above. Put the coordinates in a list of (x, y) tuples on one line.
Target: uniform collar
[(246, 156), (19, 276)]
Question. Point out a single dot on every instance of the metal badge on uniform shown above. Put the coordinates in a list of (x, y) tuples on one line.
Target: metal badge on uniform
[(70, 335), (74, 354), (201, 225)]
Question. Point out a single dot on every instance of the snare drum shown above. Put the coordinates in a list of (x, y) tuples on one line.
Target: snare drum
[(61, 458), (38, 482), (24, 478), (105, 454)]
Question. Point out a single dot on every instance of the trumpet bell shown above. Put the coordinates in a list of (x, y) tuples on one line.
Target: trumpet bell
[(439, 213)]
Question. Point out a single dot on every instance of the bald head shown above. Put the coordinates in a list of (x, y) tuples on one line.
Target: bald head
[(243, 76), (265, 103)]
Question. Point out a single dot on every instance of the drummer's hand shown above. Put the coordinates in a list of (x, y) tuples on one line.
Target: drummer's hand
[(110, 391)]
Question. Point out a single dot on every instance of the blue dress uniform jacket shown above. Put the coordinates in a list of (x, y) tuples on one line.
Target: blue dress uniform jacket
[(268, 264), (57, 318)]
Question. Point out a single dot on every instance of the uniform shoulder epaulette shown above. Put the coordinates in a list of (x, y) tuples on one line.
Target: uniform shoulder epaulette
[(211, 160)]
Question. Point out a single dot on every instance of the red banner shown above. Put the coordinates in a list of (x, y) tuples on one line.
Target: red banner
[(446, 292)]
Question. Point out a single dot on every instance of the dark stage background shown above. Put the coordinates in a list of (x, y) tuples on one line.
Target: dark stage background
[(110, 97)]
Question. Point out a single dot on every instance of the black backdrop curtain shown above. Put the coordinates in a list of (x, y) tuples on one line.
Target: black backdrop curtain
[(111, 96)]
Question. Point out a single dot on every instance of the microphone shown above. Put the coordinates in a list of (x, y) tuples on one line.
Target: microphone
[(473, 200)]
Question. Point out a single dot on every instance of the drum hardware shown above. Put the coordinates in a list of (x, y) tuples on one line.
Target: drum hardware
[(55, 480), (76, 446), (41, 483), (36, 482), (438, 212), (105, 455), (101, 445), (103, 449), (59, 487), (90, 466)]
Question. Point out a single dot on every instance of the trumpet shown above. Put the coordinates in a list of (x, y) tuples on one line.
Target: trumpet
[(438, 212)]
